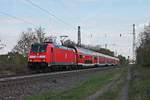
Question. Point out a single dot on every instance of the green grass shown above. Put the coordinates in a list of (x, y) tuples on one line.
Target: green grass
[(81, 90), (140, 84)]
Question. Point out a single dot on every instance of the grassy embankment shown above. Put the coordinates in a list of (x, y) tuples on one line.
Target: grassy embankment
[(140, 84), (82, 90)]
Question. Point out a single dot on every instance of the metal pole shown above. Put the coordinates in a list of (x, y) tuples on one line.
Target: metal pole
[(134, 45), (79, 36)]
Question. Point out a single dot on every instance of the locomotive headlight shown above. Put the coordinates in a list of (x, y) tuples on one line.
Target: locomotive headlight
[(32, 57), (42, 56), (43, 60)]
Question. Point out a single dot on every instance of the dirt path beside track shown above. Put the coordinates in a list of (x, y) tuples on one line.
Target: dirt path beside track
[(125, 90)]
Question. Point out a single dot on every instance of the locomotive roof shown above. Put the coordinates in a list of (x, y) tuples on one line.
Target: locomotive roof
[(63, 47)]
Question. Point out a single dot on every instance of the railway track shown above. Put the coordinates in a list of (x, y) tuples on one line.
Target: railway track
[(13, 78), (19, 87)]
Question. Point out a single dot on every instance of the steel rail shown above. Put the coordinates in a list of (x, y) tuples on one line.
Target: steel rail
[(49, 74)]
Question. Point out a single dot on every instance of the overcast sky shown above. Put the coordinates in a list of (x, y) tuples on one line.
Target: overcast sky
[(101, 21)]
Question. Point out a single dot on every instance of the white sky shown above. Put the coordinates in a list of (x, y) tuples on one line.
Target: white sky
[(104, 19)]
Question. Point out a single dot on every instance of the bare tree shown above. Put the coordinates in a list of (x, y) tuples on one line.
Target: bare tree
[(142, 51), (2, 45), (40, 34), (27, 39)]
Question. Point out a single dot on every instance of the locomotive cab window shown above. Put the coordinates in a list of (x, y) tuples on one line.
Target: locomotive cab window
[(38, 47)]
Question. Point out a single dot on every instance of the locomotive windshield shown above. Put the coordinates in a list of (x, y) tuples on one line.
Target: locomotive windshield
[(38, 47)]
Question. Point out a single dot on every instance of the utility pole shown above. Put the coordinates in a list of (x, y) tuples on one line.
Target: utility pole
[(134, 45), (106, 41), (106, 46), (79, 36)]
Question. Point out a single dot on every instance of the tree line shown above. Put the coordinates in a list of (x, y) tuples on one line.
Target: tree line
[(143, 50)]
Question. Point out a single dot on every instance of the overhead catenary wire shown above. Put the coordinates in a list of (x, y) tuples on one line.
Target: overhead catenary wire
[(49, 13), (17, 18)]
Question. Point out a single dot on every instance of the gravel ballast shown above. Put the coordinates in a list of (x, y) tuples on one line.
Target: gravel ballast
[(21, 88)]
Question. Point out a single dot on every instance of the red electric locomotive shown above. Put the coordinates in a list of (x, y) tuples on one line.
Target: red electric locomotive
[(45, 56)]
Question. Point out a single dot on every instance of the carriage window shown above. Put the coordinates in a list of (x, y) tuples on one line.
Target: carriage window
[(51, 49), (81, 56), (95, 58)]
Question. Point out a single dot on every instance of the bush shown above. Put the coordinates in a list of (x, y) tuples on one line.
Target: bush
[(143, 51), (13, 62)]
